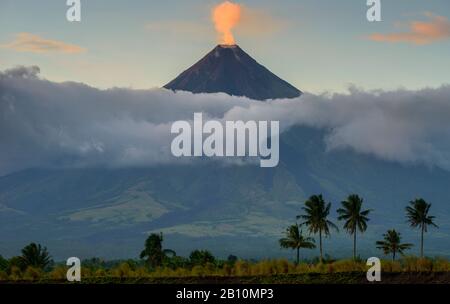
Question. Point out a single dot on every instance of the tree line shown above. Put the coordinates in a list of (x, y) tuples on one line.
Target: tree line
[(315, 218)]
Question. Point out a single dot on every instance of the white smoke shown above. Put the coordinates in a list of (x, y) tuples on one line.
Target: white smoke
[(47, 124)]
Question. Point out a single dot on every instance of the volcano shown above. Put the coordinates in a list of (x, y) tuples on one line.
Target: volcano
[(228, 69)]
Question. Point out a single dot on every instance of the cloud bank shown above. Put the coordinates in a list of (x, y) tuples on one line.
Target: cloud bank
[(47, 124)]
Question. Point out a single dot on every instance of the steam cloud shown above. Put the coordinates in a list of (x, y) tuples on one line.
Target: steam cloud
[(226, 16), (47, 124)]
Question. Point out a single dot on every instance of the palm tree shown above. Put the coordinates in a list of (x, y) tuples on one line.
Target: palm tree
[(355, 219), (35, 255), (295, 240), (392, 243), (417, 214), (315, 218)]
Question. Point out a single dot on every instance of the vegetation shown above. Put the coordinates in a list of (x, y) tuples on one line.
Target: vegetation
[(161, 265), (153, 251), (316, 218), (295, 240), (355, 219), (417, 214), (268, 271), (201, 257), (392, 244)]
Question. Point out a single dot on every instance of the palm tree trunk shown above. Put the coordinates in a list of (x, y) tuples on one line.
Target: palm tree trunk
[(320, 239), (421, 242), (354, 246), (298, 255), (393, 255)]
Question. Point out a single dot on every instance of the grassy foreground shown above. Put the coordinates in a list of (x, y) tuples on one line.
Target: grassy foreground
[(409, 270)]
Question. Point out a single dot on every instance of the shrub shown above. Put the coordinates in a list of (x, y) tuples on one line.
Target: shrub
[(87, 272), (282, 266), (330, 268), (391, 266), (99, 273), (424, 265), (181, 272), (319, 268), (165, 272), (441, 265), (210, 269), (197, 271), (32, 274), (264, 267), (201, 257), (123, 271), (227, 270), (3, 276), (15, 273), (241, 268), (141, 272), (58, 273), (175, 262), (302, 268), (4, 264), (414, 264), (349, 266), (35, 255), (16, 262)]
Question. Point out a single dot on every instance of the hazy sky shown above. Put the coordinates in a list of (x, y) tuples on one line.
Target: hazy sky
[(316, 45)]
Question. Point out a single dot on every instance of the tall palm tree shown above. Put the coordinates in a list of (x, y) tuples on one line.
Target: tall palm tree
[(315, 218), (355, 219), (295, 240), (417, 214), (392, 243)]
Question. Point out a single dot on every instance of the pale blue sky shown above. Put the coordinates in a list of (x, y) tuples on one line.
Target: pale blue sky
[(318, 45)]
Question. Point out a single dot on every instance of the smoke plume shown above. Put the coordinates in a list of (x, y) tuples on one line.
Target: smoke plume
[(226, 16)]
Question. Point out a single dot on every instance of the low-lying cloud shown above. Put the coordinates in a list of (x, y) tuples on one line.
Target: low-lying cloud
[(47, 124)]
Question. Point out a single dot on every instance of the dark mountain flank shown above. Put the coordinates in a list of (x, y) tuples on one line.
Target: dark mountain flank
[(228, 69)]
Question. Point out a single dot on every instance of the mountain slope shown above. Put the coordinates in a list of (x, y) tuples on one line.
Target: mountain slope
[(230, 70), (242, 210)]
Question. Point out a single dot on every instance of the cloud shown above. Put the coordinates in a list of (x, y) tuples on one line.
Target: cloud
[(21, 72), (419, 33), (404, 126), (27, 42), (47, 124)]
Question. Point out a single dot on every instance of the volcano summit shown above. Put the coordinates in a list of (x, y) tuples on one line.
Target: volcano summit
[(228, 69)]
